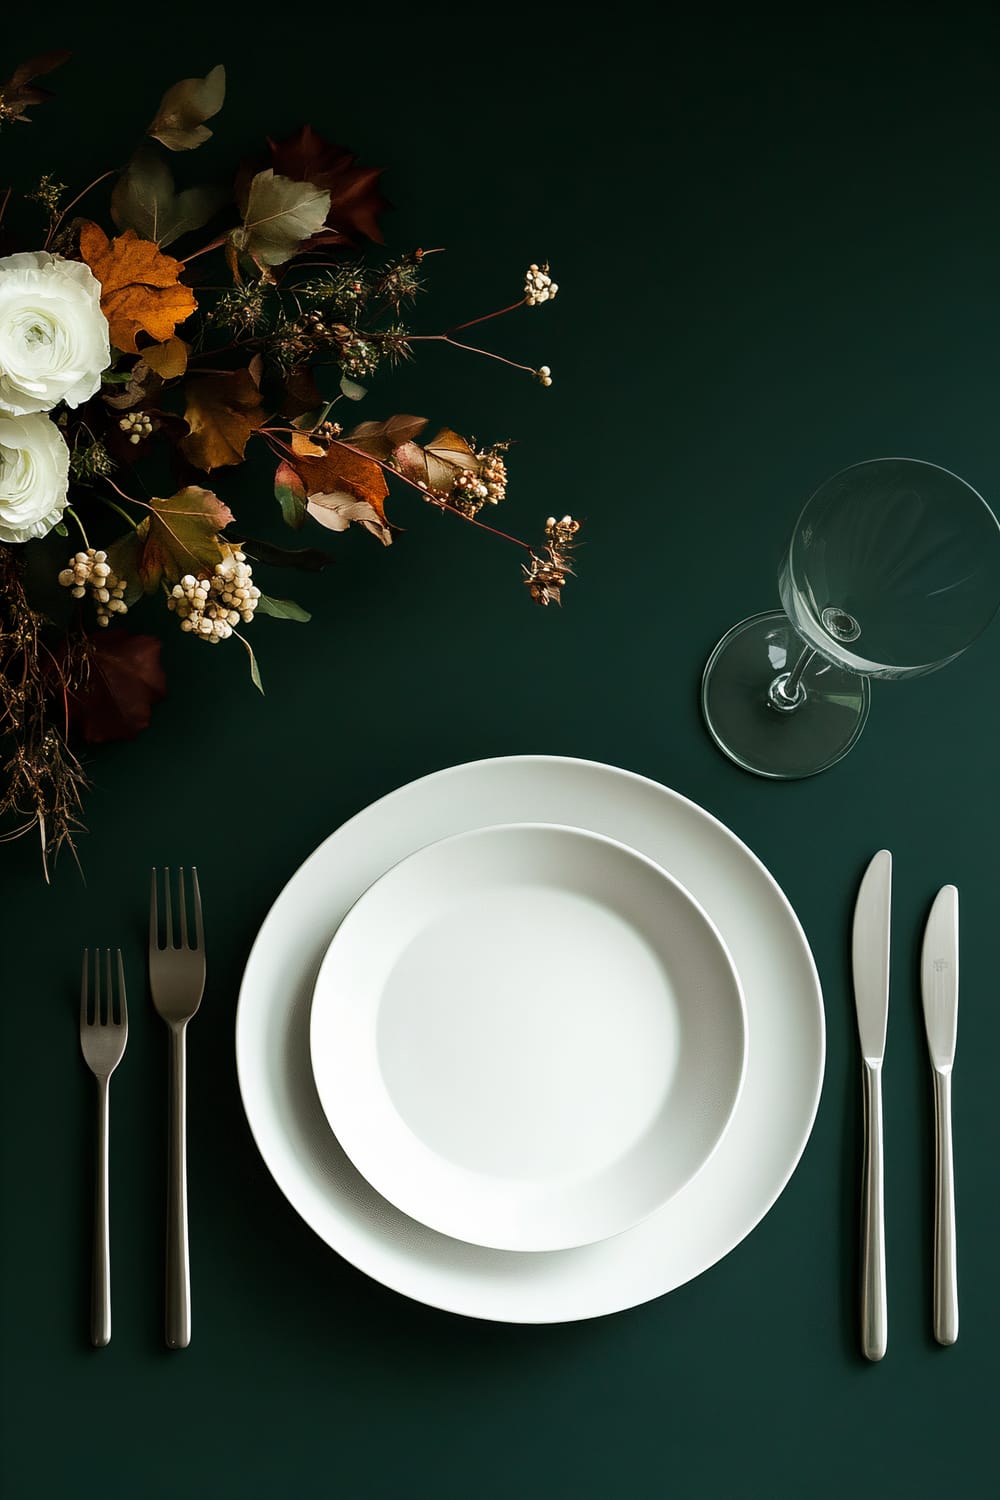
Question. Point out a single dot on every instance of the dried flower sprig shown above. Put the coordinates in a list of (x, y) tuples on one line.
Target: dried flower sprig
[(545, 575), (43, 781)]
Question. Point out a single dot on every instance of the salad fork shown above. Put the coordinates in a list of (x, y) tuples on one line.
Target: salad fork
[(177, 980), (103, 1034)]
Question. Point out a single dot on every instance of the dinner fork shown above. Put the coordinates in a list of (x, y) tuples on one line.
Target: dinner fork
[(103, 1034), (177, 980)]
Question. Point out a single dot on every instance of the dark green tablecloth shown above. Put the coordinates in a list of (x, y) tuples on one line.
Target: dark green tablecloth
[(778, 244)]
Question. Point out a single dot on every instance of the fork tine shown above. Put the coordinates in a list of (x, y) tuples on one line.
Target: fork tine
[(83, 991), (182, 936), (168, 921), (122, 1003), (109, 987), (199, 936), (154, 923), (97, 987)]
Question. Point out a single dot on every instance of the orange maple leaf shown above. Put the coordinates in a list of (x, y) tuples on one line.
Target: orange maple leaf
[(140, 291)]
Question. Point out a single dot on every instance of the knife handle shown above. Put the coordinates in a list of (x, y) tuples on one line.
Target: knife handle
[(945, 1244), (874, 1313)]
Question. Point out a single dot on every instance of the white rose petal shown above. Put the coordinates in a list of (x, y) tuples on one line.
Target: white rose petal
[(53, 336), (34, 473)]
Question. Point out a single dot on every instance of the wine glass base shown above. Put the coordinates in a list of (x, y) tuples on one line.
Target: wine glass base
[(783, 746)]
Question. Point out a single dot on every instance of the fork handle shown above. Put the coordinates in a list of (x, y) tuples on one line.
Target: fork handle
[(178, 1288), (100, 1287)]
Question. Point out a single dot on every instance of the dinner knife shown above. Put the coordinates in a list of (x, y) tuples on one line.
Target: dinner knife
[(939, 983), (870, 954)]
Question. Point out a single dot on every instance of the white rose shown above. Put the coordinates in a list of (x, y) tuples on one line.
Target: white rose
[(53, 336), (34, 471)]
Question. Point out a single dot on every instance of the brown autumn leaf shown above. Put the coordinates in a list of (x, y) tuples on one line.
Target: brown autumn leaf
[(179, 123), (221, 412), (169, 360), (123, 681), (304, 447), (341, 472), (140, 291), (302, 394), (381, 439), (17, 95), (181, 535), (336, 512), (446, 454), (355, 201)]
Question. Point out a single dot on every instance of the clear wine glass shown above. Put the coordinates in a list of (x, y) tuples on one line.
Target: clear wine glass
[(892, 571)]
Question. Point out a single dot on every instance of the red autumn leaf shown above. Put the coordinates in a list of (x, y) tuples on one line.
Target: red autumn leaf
[(355, 202), (123, 682), (17, 94), (290, 493)]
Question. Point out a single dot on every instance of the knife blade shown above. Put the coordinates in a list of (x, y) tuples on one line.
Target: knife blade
[(939, 984), (870, 958)]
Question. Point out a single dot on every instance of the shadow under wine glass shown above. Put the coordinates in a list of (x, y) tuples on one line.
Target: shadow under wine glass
[(892, 571)]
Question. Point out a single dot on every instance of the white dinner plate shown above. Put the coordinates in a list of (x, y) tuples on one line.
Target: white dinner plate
[(706, 1219), (527, 1036)]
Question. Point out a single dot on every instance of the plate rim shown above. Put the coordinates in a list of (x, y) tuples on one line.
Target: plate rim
[(297, 1196), (685, 899)]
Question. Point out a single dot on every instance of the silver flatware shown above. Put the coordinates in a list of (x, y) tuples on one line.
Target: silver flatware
[(870, 953), (177, 980), (939, 983), (103, 1034)]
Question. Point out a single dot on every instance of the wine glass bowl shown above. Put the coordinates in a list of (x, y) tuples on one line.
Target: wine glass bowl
[(892, 571)]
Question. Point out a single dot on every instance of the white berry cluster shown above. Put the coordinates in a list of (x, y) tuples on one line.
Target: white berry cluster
[(469, 486), (538, 285), (494, 475), (136, 426), (544, 375), (91, 570), (210, 607)]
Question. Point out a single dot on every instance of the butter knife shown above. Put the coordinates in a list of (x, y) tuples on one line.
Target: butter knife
[(870, 954), (939, 983)]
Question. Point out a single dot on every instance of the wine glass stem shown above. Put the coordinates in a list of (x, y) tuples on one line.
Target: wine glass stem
[(787, 692)]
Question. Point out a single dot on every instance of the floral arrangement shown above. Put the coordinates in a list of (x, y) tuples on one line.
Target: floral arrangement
[(193, 324)]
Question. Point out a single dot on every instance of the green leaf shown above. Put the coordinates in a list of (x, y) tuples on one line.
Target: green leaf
[(306, 559), (290, 493), (180, 120), (61, 529), (144, 199), (282, 609), (351, 389), (125, 559), (279, 215), (254, 669)]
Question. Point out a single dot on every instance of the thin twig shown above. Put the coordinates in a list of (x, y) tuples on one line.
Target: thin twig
[(72, 204)]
